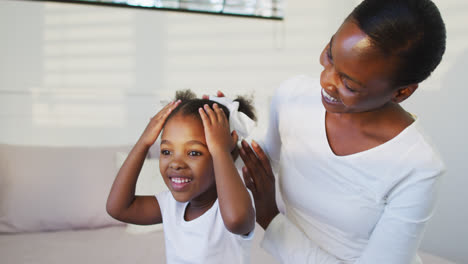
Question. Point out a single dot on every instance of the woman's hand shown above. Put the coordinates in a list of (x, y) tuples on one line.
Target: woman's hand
[(259, 178), (153, 129), (218, 94), (217, 131)]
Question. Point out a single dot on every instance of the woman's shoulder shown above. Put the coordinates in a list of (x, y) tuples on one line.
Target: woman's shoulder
[(421, 153), (299, 86)]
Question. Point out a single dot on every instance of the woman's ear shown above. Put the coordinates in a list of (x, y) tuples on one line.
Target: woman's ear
[(404, 92)]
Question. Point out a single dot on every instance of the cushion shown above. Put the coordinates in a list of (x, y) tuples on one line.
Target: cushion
[(149, 182), (55, 188)]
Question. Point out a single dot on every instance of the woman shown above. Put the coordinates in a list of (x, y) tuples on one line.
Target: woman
[(357, 176)]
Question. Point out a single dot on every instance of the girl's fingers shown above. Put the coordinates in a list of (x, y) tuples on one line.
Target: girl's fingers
[(219, 113), (211, 114), (205, 119)]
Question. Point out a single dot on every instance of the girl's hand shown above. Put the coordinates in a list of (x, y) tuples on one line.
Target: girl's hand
[(153, 129), (259, 178), (217, 131)]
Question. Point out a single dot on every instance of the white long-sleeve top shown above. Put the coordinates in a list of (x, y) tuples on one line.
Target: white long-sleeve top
[(369, 207)]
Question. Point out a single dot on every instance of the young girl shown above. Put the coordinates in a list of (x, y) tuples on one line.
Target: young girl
[(207, 214)]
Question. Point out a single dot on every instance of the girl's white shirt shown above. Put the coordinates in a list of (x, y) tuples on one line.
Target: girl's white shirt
[(204, 240)]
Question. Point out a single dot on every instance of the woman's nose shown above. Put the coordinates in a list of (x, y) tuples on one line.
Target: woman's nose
[(328, 78)]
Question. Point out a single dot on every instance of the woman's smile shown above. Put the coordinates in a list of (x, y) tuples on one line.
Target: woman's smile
[(329, 98)]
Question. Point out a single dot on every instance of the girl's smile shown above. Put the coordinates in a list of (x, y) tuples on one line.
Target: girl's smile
[(185, 162)]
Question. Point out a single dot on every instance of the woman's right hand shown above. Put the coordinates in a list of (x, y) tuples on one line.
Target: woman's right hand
[(153, 129), (259, 178)]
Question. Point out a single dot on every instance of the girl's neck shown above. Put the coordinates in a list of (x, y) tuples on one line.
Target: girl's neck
[(199, 205)]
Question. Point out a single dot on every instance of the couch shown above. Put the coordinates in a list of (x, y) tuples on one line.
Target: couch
[(52, 209)]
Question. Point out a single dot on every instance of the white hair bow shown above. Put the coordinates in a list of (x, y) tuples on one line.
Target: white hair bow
[(238, 121)]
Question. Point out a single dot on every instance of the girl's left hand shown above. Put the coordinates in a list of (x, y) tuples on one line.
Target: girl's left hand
[(217, 131)]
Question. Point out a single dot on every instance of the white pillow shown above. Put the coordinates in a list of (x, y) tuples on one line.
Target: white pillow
[(55, 188), (150, 182)]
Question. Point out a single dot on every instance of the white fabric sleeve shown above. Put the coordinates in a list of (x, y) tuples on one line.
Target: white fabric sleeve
[(270, 141), (162, 200), (250, 235), (288, 244), (397, 235), (395, 238)]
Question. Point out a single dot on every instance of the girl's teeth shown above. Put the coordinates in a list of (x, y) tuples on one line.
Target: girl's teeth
[(329, 97), (180, 180)]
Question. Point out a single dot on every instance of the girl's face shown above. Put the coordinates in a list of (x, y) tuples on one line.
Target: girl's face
[(356, 77), (185, 163)]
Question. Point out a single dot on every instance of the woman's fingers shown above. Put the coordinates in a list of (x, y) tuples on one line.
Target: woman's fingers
[(248, 180), (252, 163), (263, 159), (220, 94)]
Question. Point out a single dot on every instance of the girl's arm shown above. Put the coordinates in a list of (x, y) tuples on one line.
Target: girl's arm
[(234, 200), (122, 204)]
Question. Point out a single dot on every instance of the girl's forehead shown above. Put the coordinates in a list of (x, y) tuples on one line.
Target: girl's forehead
[(183, 127)]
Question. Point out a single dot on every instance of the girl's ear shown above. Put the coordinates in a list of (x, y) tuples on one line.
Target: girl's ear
[(404, 92), (234, 148), (234, 137)]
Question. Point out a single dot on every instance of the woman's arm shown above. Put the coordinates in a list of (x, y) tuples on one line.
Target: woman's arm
[(234, 200), (395, 238), (122, 204)]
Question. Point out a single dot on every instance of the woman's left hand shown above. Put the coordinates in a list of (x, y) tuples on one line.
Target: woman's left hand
[(259, 178)]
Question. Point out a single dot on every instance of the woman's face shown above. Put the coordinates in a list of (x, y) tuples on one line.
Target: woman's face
[(356, 76), (185, 162)]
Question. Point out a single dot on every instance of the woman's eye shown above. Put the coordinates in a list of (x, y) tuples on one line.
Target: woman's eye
[(329, 55), (348, 88), (194, 153), (165, 152)]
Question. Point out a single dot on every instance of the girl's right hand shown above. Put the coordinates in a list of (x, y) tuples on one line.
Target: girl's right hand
[(153, 129)]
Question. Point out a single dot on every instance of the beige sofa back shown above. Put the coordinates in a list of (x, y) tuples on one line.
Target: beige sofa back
[(55, 188)]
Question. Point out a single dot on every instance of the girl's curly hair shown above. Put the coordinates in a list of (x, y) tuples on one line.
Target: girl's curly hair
[(190, 104)]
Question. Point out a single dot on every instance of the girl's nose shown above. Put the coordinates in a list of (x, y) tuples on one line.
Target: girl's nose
[(177, 164)]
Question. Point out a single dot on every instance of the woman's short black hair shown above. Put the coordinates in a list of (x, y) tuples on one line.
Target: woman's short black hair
[(190, 104), (411, 30)]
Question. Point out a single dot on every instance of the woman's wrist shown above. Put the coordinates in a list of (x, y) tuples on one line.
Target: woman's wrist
[(265, 221)]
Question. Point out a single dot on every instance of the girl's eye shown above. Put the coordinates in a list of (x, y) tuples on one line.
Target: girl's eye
[(194, 153), (165, 152)]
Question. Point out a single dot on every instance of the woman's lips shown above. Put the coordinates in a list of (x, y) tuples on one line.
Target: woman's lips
[(327, 97)]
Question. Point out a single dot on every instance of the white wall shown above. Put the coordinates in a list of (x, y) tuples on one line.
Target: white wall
[(86, 75)]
